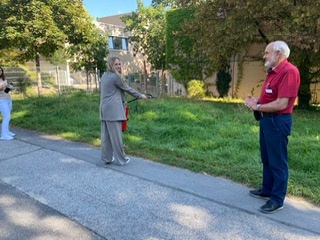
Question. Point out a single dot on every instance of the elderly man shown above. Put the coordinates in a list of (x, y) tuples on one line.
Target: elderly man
[(275, 105)]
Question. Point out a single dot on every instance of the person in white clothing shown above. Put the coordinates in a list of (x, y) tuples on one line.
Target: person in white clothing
[(5, 108)]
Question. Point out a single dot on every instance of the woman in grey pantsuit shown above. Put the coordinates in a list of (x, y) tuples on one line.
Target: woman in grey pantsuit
[(112, 112)]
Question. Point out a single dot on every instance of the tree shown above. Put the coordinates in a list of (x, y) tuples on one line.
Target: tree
[(188, 3), (8, 57), (176, 3), (29, 27), (91, 55), (147, 35), (146, 26), (229, 28), (42, 27), (165, 3), (185, 60)]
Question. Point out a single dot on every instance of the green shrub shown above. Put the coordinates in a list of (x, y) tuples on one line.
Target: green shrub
[(196, 89)]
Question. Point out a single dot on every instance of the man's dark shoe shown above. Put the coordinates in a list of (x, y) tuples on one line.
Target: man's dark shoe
[(259, 194), (271, 207)]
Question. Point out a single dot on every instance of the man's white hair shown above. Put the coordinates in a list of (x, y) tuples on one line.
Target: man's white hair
[(282, 47)]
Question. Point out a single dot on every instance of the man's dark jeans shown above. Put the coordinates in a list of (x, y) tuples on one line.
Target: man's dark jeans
[(274, 132)]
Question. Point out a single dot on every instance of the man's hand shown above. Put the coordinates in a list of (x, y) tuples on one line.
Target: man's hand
[(251, 102)]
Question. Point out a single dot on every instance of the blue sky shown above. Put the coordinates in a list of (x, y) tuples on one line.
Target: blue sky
[(103, 8)]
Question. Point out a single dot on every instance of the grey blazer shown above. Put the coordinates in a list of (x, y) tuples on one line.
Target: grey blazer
[(112, 99)]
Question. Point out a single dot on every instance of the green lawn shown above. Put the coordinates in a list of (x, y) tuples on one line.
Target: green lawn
[(213, 137)]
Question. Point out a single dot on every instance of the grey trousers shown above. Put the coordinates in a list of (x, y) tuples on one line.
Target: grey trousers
[(111, 142)]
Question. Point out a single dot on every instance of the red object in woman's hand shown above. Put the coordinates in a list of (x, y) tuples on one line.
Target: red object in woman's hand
[(124, 123)]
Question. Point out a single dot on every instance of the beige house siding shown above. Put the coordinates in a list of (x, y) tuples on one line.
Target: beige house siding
[(113, 20), (253, 76), (253, 73)]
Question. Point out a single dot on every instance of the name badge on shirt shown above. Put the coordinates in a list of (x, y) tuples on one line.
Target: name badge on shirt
[(268, 90)]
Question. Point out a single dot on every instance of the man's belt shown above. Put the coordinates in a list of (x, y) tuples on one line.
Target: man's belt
[(267, 114), (257, 115)]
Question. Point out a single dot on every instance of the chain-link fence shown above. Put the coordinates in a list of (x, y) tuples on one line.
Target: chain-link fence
[(148, 83), (62, 80), (57, 78)]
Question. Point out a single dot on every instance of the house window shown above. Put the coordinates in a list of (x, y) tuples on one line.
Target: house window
[(118, 43)]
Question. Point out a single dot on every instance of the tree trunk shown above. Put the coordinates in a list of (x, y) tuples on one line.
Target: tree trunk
[(88, 80), (162, 82), (96, 78), (37, 59), (304, 95)]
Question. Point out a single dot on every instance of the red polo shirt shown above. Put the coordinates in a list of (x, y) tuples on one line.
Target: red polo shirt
[(281, 82)]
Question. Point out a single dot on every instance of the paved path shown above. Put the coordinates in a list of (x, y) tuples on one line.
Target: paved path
[(52, 189)]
